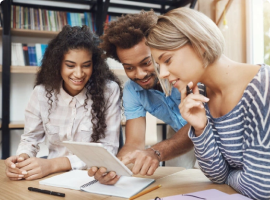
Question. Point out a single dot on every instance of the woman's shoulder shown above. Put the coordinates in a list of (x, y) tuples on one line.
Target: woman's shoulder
[(40, 89)]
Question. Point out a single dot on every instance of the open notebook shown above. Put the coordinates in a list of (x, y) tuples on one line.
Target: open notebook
[(79, 180)]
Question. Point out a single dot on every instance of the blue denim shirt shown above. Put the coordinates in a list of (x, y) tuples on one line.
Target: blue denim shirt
[(138, 101)]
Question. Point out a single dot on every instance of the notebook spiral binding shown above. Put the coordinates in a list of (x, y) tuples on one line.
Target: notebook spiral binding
[(90, 183)]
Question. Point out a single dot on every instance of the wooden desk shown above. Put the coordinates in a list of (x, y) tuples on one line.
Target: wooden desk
[(10, 190), (185, 181), (174, 180)]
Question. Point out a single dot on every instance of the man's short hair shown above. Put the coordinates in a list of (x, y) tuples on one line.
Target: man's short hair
[(127, 31)]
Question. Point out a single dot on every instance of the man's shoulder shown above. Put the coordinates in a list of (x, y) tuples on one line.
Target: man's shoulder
[(132, 86)]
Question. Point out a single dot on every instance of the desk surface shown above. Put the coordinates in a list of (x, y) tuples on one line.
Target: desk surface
[(174, 180)]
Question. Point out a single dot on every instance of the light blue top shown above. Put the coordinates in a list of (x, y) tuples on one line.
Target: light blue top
[(138, 101)]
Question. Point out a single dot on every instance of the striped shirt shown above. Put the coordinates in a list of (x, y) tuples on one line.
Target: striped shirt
[(235, 148), (69, 120)]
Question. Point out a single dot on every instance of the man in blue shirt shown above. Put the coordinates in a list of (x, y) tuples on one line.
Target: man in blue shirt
[(124, 41)]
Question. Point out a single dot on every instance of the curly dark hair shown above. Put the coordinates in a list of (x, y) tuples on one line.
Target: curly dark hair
[(126, 32), (49, 75)]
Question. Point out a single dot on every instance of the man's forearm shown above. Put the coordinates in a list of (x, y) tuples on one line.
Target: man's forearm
[(175, 146)]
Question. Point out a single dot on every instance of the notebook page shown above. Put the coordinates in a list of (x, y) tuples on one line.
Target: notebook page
[(72, 180), (126, 187)]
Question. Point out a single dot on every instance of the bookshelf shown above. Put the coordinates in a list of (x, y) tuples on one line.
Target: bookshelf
[(99, 8)]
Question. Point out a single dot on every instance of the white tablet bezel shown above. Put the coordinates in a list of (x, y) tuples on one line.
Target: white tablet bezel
[(96, 155)]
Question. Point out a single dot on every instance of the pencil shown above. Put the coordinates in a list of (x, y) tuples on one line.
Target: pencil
[(144, 192)]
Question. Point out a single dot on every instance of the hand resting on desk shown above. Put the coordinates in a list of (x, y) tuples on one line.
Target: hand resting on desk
[(12, 171), (23, 167)]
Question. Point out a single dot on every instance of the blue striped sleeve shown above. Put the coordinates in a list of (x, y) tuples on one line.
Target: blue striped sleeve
[(210, 160)]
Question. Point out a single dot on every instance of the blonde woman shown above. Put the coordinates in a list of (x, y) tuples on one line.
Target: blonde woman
[(228, 112)]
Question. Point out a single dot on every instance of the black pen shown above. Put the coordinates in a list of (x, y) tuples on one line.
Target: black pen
[(46, 192), (189, 91)]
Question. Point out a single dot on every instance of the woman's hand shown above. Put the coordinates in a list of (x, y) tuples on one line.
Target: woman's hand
[(192, 108), (12, 171), (35, 168)]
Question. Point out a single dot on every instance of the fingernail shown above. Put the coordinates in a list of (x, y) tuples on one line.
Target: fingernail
[(19, 178), (21, 175), (206, 99), (24, 172), (13, 166), (103, 170)]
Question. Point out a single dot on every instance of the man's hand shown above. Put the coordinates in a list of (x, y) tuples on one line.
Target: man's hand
[(102, 176), (35, 168), (12, 171), (145, 161)]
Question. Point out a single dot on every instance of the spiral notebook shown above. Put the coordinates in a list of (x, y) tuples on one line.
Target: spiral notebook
[(79, 180)]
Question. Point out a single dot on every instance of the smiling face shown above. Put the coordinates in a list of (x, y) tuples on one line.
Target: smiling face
[(179, 66), (76, 70), (138, 65)]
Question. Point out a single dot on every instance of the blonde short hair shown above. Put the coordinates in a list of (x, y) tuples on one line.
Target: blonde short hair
[(187, 26)]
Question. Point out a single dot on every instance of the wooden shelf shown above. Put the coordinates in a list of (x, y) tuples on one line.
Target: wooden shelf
[(15, 124), (23, 69), (34, 69), (33, 33), (20, 124)]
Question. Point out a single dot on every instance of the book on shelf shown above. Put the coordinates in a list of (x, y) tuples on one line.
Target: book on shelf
[(27, 54), (50, 20), (17, 57)]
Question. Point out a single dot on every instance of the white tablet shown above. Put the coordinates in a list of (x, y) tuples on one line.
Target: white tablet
[(95, 155)]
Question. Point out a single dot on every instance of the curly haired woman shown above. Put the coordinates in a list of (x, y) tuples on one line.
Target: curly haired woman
[(76, 98)]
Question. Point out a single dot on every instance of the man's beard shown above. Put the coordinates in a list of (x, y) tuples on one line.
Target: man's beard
[(147, 87)]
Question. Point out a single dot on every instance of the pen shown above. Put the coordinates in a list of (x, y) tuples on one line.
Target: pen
[(144, 192), (46, 192), (189, 91)]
